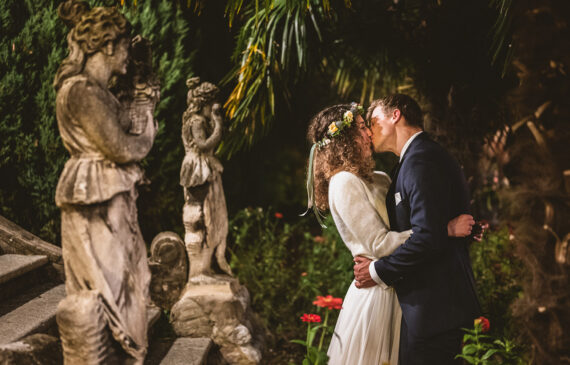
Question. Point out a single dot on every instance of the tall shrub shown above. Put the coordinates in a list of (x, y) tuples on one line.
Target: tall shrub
[(31, 154)]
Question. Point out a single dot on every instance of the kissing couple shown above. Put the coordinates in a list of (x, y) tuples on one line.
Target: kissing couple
[(408, 233)]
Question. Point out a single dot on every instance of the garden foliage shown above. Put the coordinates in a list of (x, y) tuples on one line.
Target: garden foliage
[(31, 154), (285, 267), (497, 273), (482, 349)]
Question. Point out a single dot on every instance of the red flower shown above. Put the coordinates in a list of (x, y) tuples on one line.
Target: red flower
[(278, 215), (311, 318), (303, 274), (319, 239), (484, 322), (328, 302)]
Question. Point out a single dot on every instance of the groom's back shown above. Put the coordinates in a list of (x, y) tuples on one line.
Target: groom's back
[(439, 294)]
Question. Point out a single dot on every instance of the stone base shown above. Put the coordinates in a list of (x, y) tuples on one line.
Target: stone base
[(38, 349), (219, 308)]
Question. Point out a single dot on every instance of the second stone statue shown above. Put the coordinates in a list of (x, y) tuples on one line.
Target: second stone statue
[(210, 305), (205, 214)]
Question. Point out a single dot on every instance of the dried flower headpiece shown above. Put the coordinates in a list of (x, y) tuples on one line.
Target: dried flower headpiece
[(335, 129)]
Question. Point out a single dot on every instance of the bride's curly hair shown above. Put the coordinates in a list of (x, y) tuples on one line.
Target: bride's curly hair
[(343, 153)]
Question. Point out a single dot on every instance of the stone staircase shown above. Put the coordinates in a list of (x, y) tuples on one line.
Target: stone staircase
[(31, 286)]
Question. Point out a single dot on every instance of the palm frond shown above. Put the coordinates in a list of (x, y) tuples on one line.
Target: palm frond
[(501, 46), (271, 47)]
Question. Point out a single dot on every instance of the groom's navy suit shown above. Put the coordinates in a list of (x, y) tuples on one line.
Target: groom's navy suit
[(431, 272)]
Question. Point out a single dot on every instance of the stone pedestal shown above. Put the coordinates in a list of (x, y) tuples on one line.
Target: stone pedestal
[(219, 307)]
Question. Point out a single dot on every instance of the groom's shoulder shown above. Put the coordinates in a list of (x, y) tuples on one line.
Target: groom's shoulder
[(425, 158), (425, 149)]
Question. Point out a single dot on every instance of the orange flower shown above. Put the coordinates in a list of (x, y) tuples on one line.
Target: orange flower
[(484, 322), (311, 318), (278, 215), (319, 239), (303, 274), (328, 302)]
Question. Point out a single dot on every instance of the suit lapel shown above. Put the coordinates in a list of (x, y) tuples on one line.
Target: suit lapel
[(390, 198)]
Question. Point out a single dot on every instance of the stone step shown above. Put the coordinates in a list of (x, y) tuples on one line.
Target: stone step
[(21, 273), (188, 351), (42, 349), (35, 316), (13, 266), (15, 239)]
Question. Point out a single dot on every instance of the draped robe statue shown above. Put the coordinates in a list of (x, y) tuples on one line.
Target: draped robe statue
[(103, 318)]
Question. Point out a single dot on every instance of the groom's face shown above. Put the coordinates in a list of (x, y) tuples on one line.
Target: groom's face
[(383, 129)]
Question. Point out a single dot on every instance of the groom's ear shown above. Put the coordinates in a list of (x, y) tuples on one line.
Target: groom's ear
[(396, 116)]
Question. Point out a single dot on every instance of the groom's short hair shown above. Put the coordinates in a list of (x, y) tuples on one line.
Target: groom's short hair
[(407, 106)]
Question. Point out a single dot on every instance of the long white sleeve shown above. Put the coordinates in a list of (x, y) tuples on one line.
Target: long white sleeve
[(355, 210)]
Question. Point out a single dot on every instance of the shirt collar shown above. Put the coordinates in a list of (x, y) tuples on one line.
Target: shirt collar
[(408, 142)]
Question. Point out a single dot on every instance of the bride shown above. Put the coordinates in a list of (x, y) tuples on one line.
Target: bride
[(343, 180)]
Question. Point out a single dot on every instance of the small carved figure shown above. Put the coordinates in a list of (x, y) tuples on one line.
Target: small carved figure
[(103, 318), (169, 267), (205, 214)]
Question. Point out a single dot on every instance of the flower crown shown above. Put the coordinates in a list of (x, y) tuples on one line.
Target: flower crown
[(336, 127)]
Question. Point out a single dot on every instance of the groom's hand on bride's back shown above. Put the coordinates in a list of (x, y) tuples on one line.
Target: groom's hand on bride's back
[(362, 274)]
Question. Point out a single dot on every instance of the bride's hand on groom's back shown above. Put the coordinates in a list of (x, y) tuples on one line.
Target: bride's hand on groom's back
[(362, 273)]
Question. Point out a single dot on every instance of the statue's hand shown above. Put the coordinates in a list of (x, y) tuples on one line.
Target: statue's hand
[(217, 115), (217, 110)]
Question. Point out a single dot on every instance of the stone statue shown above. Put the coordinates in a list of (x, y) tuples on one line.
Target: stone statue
[(205, 214), (107, 132), (210, 305)]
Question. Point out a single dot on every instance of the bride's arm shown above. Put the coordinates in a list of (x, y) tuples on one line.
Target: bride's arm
[(357, 219)]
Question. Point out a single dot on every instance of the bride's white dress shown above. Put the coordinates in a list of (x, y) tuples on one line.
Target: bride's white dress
[(368, 327)]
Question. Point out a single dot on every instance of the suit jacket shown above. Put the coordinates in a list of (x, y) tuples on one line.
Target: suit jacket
[(431, 272)]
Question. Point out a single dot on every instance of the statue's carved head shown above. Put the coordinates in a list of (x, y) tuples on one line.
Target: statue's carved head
[(200, 94), (92, 30)]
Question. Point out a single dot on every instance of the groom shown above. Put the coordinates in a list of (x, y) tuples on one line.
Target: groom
[(430, 272)]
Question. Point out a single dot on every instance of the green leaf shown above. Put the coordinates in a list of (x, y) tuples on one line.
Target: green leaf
[(300, 342), (469, 349), (489, 353), (469, 359), (315, 24), (284, 43), (298, 38)]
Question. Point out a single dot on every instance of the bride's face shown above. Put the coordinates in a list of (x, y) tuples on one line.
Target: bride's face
[(364, 140)]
